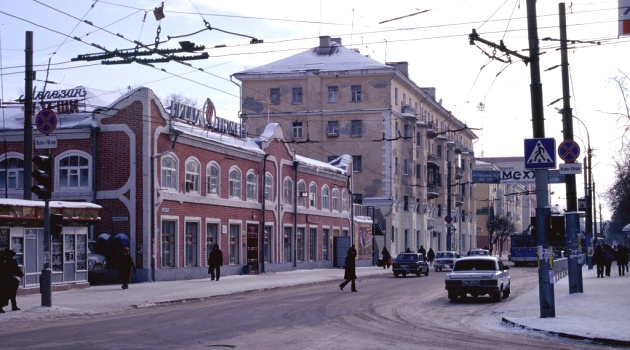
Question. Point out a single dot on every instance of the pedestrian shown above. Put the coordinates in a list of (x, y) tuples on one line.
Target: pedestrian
[(408, 250), (610, 257), (215, 261), (350, 271), (599, 259), (386, 258), (15, 276), (4, 282), (126, 264), (422, 251), (430, 256), (622, 259)]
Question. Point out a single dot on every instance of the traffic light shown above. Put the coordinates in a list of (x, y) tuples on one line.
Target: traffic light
[(43, 175), (56, 224)]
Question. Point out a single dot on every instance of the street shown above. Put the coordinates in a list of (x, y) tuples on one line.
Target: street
[(387, 312)]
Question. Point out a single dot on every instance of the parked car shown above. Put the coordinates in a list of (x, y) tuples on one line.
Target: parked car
[(478, 275), (96, 262), (477, 251), (444, 260), (412, 263)]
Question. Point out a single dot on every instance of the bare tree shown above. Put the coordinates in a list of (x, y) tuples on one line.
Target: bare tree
[(623, 108), (178, 97), (500, 228)]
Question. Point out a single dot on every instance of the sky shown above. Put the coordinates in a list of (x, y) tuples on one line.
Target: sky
[(431, 35)]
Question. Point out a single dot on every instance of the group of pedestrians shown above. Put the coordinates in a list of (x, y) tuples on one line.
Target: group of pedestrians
[(10, 277), (604, 256)]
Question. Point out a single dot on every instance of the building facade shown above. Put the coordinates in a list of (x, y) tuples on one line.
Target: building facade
[(412, 158)]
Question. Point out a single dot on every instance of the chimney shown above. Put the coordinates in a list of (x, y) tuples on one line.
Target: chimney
[(336, 40), (324, 45), (403, 67)]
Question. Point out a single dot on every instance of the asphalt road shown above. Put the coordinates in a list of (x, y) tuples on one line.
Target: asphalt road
[(386, 313)]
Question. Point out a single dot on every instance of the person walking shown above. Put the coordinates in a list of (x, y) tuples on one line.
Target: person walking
[(599, 259), (610, 257), (622, 259), (126, 264), (15, 276), (215, 261), (422, 251), (386, 258), (430, 256), (350, 271), (4, 282)]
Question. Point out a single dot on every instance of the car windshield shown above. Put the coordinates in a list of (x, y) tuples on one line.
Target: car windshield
[(406, 257), (444, 255), (469, 265)]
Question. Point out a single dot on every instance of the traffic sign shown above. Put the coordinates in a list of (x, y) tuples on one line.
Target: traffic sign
[(569, 151), (570, 168), (539, 153), (46, 121), (448, 219)]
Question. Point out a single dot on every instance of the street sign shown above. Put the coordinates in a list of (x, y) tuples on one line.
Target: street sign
[(571, 168), (44, 142), (540, 153), (514, 176), (569, 151), (448, 219), (46, 121)]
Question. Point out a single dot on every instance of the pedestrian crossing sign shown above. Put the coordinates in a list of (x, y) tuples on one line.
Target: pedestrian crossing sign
[(540, 153)]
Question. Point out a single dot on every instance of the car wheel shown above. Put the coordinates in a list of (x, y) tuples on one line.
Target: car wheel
[(418, 274), (435, 268), (452, 297), (426, 273), (506, 292), (404, 274), (395, 274), (496, 296)]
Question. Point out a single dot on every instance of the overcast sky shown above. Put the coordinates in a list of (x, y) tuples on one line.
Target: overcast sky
[(431, 35)]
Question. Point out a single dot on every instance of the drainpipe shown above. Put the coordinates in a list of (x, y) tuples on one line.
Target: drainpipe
[(262, 219), (295, 165), (153, 158)]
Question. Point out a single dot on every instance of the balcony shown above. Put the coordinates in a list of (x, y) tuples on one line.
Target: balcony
[(431, 130), (433, 191), (432, 160), (459, 200), (458, 148), (458, 172)]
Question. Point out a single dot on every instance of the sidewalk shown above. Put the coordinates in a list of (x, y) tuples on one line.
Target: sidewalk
[(599, 314)]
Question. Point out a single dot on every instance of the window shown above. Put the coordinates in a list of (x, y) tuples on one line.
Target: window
[(268, 188), (297, 96), (345, 201), (335, 199), (419, 138), (168, 244), (212, 237), (406, 132), (298, 131), (252, 187), (404, 99), (357, 198), (325, 238), (192, 176), (439, 210), (192, 239), (396, 96), (312, 196), (325, 198), (74, 172), (439, 151), (333, 128), (287, 192), (288, 254), (356, 127), (396, 165), (12, 174), (357, 164), (235, 243), (356, 93), (213, 181), (299, 243), (267, 244), (235, 184), (406, 203), (418, 171), (406, 167), (312, 244), (302, 194), (274, 96), (169, 173), (333, 94)]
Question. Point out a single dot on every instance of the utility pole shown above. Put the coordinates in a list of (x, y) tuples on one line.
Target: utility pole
[(572, 217), (448, 208), (28, 116)]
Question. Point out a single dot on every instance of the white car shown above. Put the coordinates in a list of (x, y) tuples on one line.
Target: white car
[(479, 275), (444, 260)]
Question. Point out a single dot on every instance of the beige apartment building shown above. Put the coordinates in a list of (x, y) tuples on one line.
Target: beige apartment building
[(332, 100)]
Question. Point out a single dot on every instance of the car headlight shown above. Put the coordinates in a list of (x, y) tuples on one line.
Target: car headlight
[(90, 262), (104, 263)]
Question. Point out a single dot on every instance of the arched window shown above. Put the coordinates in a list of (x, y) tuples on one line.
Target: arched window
[(269, 188), (325, 198), (235, 184), (302, 194), (213, 180), (287, 191), (345, 202), (74, 172), (192, 176), (169, 173), (12, 174), (335, 199), (252, 187), (312, 196)]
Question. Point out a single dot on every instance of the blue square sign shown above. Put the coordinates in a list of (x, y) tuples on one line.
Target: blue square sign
[(540, 153)]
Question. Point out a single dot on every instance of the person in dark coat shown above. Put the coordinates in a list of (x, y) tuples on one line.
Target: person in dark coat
[(422, 251), (350, 270), (622, 259), (15, 276), (599, 259), (126, 264), (430, 256), (386, 258), (4, 282), (215, 261), (610, 257)]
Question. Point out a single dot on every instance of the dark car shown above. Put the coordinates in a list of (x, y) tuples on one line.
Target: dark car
[(412, 263)]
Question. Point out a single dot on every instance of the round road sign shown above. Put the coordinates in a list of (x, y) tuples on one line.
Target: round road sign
[(569, 151), (448, 219), (46, 121)]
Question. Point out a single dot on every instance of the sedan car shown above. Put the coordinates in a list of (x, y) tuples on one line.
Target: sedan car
[(477, 251), (479, 275), (412, 263), (96, 262), (444, 260)]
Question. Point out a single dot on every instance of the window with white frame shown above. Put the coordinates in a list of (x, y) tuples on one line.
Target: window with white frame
[(235, 184), (406, 167), (298, 131), (168, 243), (333, 128), (345, 201), (214, 180), (235, 243), (335, 199), (312, 196), (287, 191), (212, 237), (356, 93), (192, 176), (297, 95), (192, 244), (325, 243), (252, 187), (74, 172), (299, 243), (325, 198), (268, 188), (302, 194), (274, 96), (288, 251), (312, 244), (169, 173), (357, 164), (12, 174), (356, 127), (333, 94)]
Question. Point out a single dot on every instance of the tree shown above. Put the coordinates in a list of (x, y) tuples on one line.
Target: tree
[(500, 228), (178, 97)]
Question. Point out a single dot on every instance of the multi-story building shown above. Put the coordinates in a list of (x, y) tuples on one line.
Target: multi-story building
[(411, 157)]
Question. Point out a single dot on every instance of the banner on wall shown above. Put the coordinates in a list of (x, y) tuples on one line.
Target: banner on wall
[(363, 237)]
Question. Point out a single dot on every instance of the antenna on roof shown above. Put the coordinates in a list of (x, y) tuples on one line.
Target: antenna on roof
[(352, 28), (385, 51)]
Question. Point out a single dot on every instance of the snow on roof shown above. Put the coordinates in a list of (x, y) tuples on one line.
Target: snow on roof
[(207, 134), (339, 59), (52, 204), (362, 219), (319, 165)]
